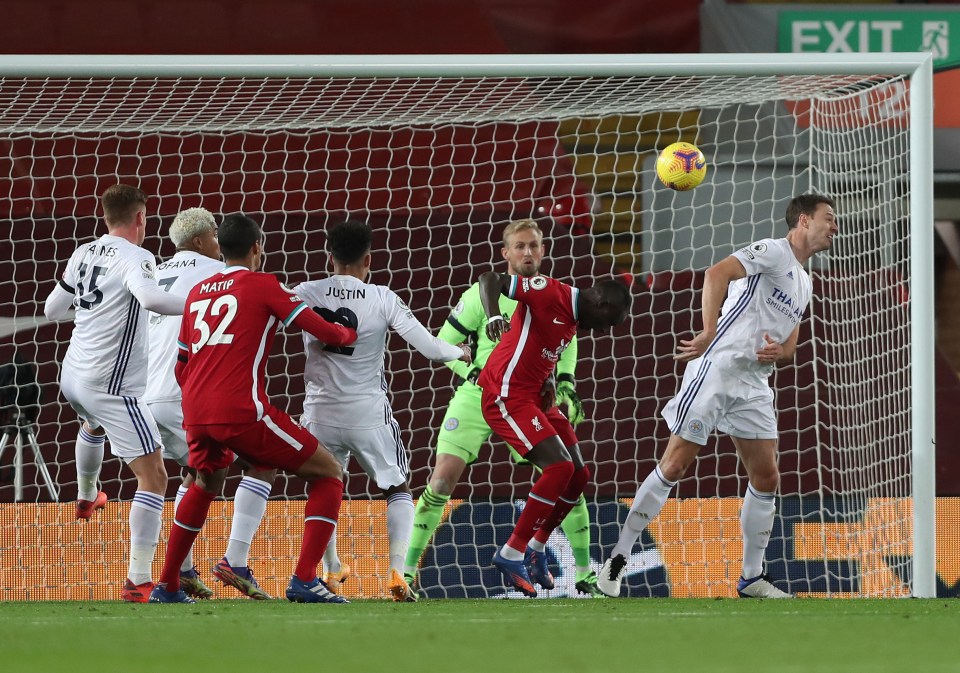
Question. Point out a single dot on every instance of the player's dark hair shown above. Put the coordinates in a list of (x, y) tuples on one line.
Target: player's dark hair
[(349, 241), (236, 235), (616, 293), (120, 203), (805, 204)]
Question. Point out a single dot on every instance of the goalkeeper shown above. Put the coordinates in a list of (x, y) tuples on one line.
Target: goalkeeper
[(464, 431)]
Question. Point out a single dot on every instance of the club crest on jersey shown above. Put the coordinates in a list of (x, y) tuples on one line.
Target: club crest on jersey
[(537, 425), (451, 424), (695, 426), (147, 267), (538, 282)]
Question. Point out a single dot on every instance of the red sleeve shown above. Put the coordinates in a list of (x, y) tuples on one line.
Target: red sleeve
[(327, 332)]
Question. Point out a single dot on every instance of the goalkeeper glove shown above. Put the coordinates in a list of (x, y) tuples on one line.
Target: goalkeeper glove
[(566, 394)]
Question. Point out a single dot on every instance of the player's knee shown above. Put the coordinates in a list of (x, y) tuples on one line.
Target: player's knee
[(564, 470), (267, 476), (766, 481), (580, 478), (321, 465), (442, 485)]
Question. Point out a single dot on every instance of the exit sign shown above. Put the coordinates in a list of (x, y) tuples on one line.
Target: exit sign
[(849, 32)]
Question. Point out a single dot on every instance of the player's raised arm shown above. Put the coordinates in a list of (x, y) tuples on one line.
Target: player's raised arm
[(492, 285), (715, 283), (329, 333)]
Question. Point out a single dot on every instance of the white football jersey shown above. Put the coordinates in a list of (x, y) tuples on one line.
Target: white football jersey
[(108, 348), (770, 300), (177, 275), (346, 387)]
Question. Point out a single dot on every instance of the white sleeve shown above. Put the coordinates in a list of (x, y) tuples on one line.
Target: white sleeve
[(58, 302), (401, 319), (765, 256), (152, 298)]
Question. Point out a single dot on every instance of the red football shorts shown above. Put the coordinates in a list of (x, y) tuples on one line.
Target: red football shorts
[(274, 441), (523, 424)]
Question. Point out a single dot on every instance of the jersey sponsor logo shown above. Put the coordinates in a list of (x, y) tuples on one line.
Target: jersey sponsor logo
[(538, 282), (695, 426), (451, 424), (554, 355), (147, 267), (783, 302)]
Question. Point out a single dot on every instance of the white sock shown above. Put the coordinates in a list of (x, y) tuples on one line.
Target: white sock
[(331, 560), (249, 506), (511, 554), (188, 561), (399, 527), (89, 452), (756, 521), (647, 503), (536, 545), (145, 519)]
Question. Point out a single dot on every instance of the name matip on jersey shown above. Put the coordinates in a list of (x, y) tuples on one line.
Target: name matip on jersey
[(542, 327), (108, 347), (229, 323), (177, 275), (346, 386), (770, 300)]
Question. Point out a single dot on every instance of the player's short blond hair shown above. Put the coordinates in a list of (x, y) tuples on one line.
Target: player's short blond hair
[(191, 222), (520, 225)]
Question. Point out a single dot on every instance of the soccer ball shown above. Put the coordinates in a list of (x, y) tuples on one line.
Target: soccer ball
[(681, 166)]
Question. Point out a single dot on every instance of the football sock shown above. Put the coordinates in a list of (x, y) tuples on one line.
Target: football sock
[(399, 527), (188, 561), (331, 559), (756, 521), (647, 503), (249, 505), (89, 453), (536, 545), (187, 522), (426, 518), (145, 520), (320, 520), (541, 502), (576, 526), (565, 503)]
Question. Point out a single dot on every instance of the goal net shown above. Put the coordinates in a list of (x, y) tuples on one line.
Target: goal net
[(438, 165)]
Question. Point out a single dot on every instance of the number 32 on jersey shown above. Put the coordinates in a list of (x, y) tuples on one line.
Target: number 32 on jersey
[(225, 306)]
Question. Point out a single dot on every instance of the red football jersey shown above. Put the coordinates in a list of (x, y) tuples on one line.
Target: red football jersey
[(542, 327), (227, 332)]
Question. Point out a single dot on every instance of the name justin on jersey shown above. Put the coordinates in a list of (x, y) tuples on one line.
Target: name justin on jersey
[(343, 293), (783, 302)]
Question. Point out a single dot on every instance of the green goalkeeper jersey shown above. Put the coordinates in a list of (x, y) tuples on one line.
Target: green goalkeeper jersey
[(468, 321)]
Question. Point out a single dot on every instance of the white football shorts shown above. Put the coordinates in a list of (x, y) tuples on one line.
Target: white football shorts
[(711, 399), (379, 451), (129, 425), (169, 417)]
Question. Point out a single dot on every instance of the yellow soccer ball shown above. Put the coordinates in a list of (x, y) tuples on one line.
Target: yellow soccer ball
[(681, 166)]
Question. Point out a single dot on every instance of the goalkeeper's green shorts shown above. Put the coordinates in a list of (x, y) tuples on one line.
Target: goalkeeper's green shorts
[(464, 432)]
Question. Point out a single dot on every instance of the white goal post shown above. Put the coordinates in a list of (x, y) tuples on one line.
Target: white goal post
[(439, 152)]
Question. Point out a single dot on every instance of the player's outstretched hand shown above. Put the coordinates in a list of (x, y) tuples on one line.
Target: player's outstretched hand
[(771, 351), (496, 327), (567, 395), (467, 355), (693, 348)]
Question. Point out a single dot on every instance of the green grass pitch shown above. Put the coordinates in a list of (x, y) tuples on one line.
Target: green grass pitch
[(492, 636)]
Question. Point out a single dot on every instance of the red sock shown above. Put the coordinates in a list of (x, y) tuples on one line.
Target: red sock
[(541, 502), (565, 503), (187, 522), (321, 512)]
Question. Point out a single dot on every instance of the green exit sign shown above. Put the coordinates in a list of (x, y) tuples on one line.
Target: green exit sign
[(848, 32)]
